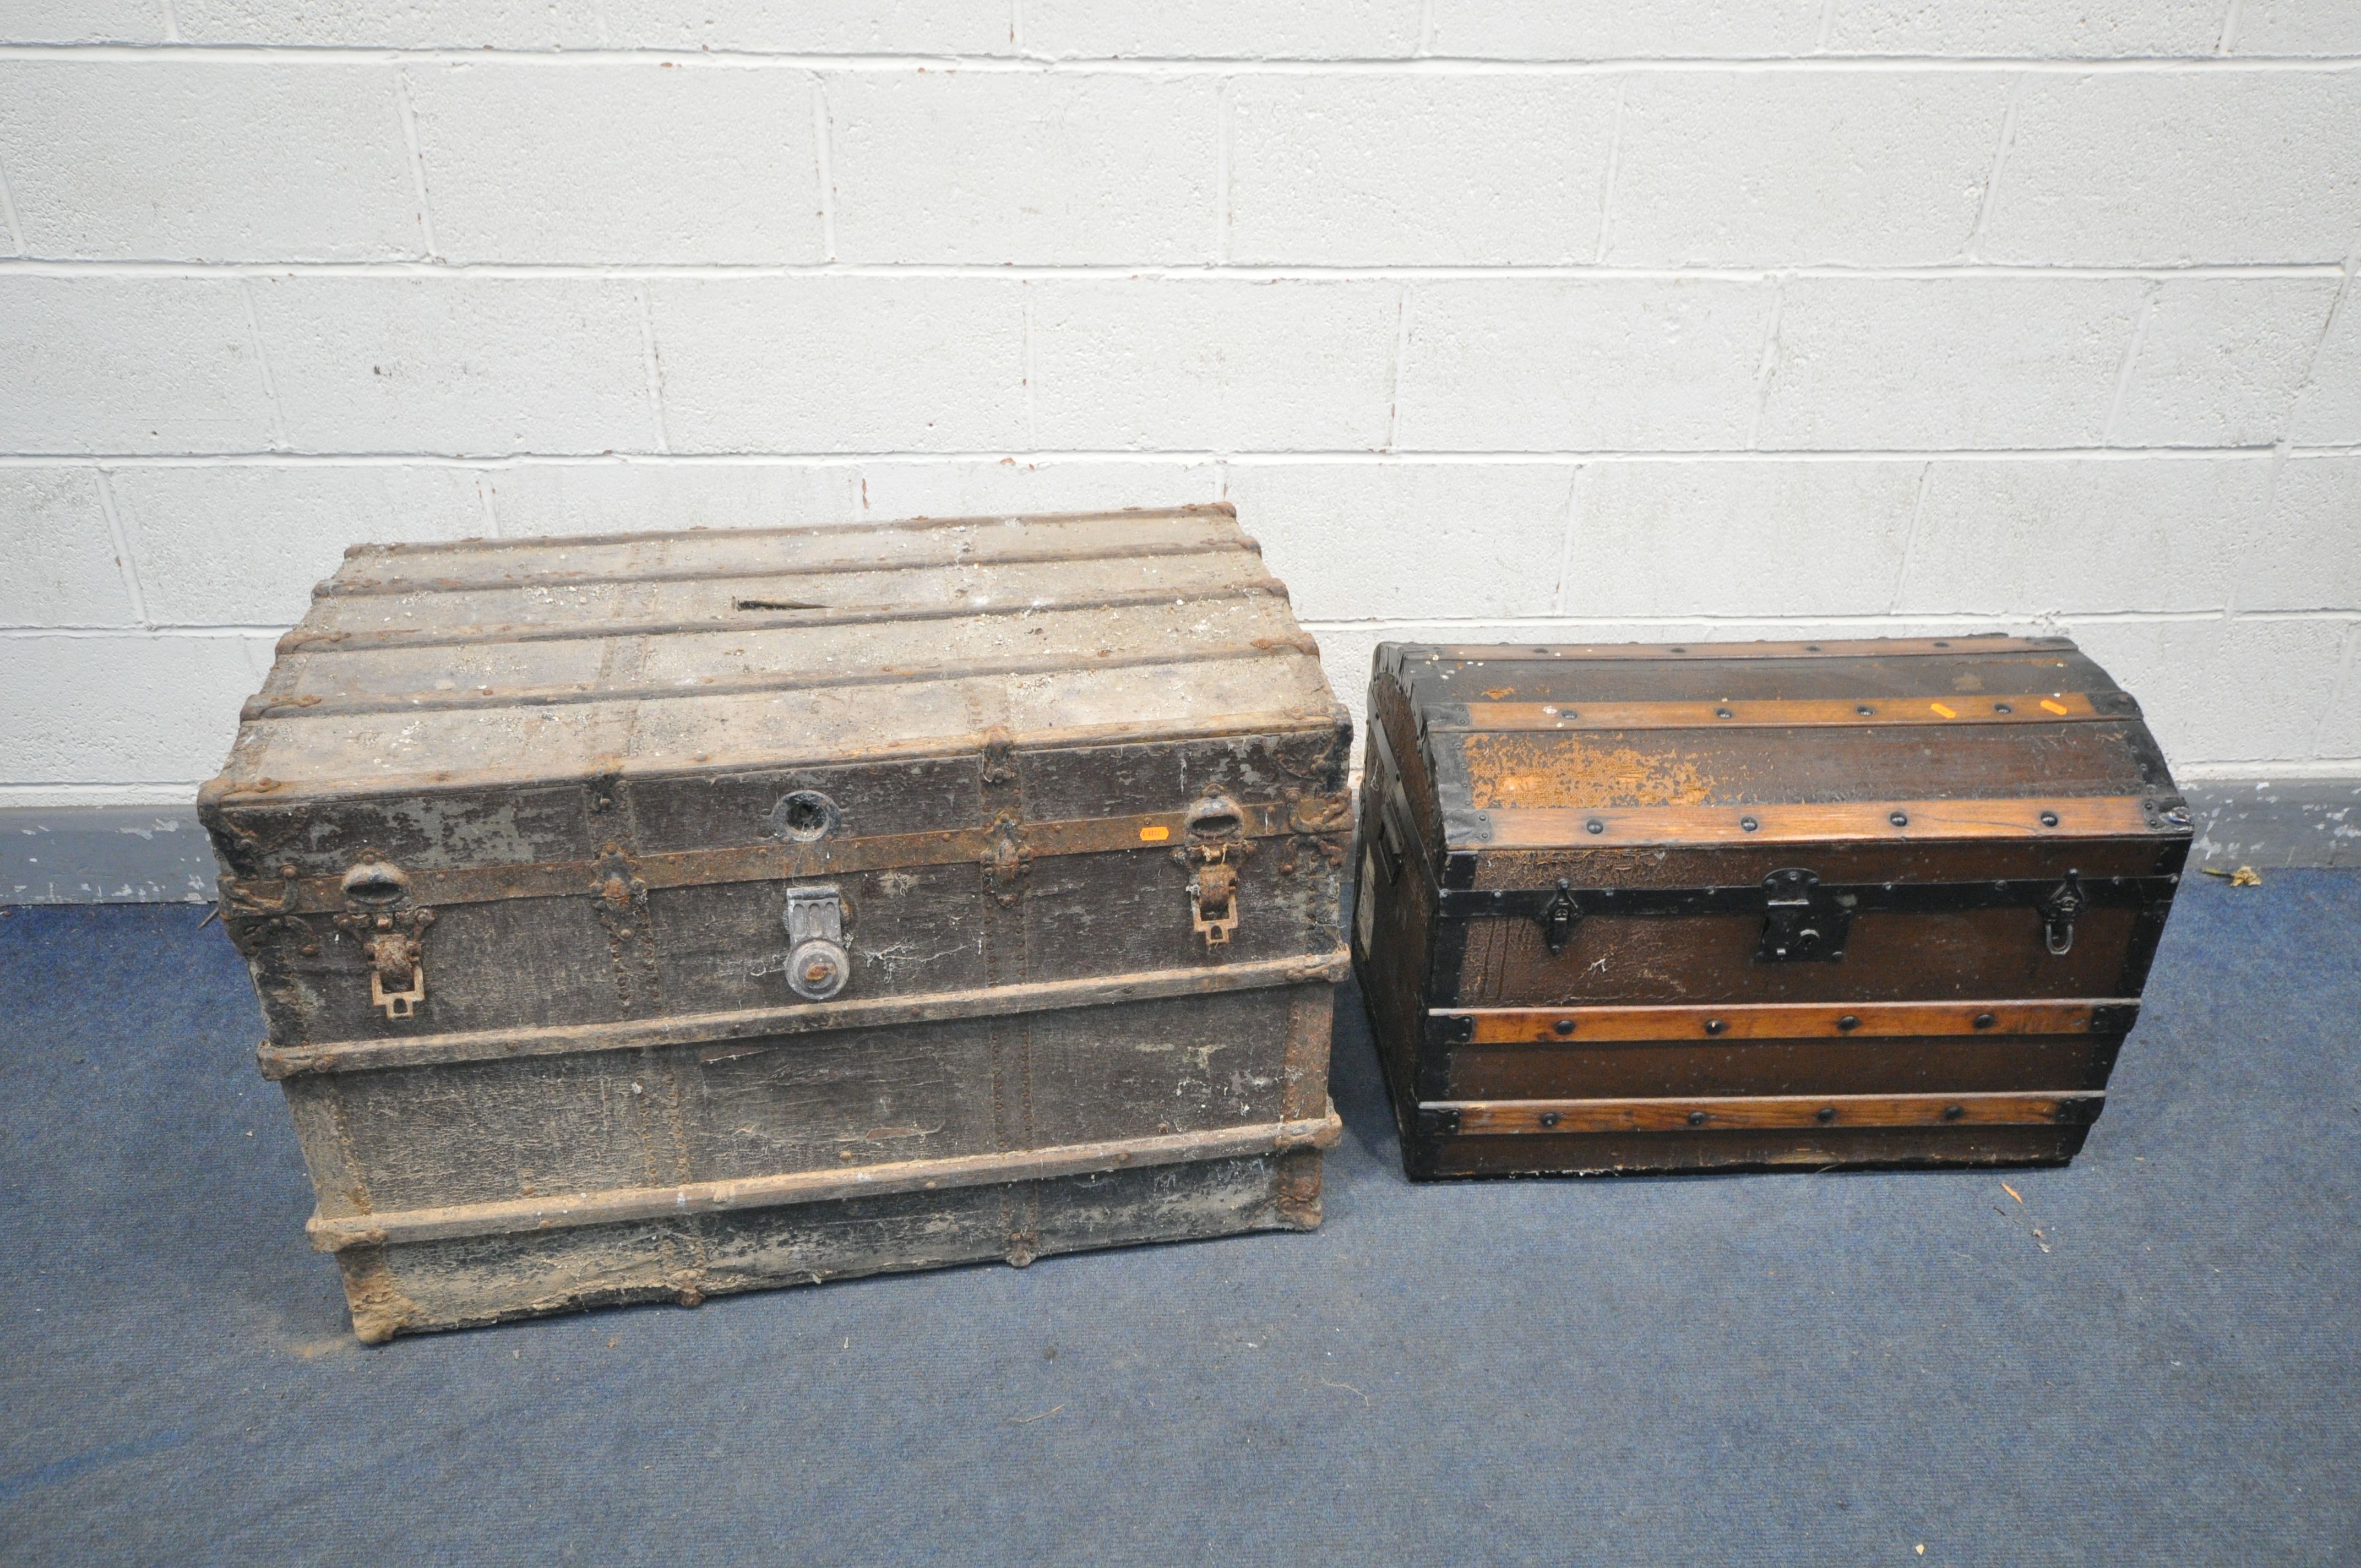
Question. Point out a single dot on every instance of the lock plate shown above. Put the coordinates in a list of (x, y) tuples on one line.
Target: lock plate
[(818, 966), (1804, 923), (1213, 897)]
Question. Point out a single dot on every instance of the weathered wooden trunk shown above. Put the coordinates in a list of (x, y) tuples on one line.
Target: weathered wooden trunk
[(1754, 904), (670, 913)]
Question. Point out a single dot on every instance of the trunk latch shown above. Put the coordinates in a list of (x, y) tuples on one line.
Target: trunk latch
[(1806, 926), (2059, 910), (1214, 896), (392, 932), (1560, 917), (818, 965)]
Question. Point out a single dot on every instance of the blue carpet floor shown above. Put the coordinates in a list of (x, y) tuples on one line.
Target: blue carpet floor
[(2150, 1359)]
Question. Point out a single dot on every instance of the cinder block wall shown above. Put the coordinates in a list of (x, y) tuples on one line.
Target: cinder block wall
[(1495, 317)]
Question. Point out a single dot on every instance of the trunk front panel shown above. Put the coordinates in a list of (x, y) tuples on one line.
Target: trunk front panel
[(484, 1132)]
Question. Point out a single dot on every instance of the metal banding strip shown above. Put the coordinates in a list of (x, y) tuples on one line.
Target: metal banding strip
[(337, 587), (2021, 708), (1797, 1112), (372, 639), (802, 1019), (1878, 647), (1776, 1021), (1883, 821), (621, 1205), (772, 861), (302, 706), (1862, 898)]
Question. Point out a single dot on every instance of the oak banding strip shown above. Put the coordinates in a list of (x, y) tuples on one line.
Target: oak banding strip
[(338, 588), (1160, 831), (1871, 712), (1787, 1021), (1796, 1112), (309, 707), (1567, 827), (219, 791), (782, 531), (802, 1019), (378, 639), (621, 1205)]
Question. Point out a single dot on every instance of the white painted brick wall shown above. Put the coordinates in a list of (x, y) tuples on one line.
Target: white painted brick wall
[(1514, 364), (2168, 169), (837, 364), (1375, 170), (1803, 168), (525, 162), (1947, 363), (236, 160), (1229, 366), (470, 364), (996, 168), (1496, 318)]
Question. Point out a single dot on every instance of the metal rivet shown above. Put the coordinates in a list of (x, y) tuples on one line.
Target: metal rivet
[(1824, 1115), (1953, 1113), (2049, 819), (1811, 647), (1550, 1118), (2003, 708), (1697, 1118), (1864, 710), (1899, 818), (1986, 1020), (1722, 713), (1676, 649), (1749, 824), (1714, 1025), (1848, 1023), (1940, 643), (1595, 826), (1563, 1026)]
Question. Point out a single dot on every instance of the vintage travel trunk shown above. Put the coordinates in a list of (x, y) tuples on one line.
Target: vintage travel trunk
[(668, 914), (1738, 905)]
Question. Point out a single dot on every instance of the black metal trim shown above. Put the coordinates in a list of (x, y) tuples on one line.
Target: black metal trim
[(2115, 1018), (1752, 898)]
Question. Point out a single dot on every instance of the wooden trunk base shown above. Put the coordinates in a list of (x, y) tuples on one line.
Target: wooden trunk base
[(1738, 1149), (410, 1287)]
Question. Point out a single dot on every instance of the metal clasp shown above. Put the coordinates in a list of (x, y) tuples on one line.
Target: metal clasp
[(1005, 860), (390, 953), (1559, 919), (1213, 897), (2059, 910), (392, 934), (1805, 925), (818, 965)]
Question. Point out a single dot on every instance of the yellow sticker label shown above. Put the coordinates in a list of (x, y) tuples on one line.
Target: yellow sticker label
[(1155, 835), (1946, 712), (2057, 707)]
